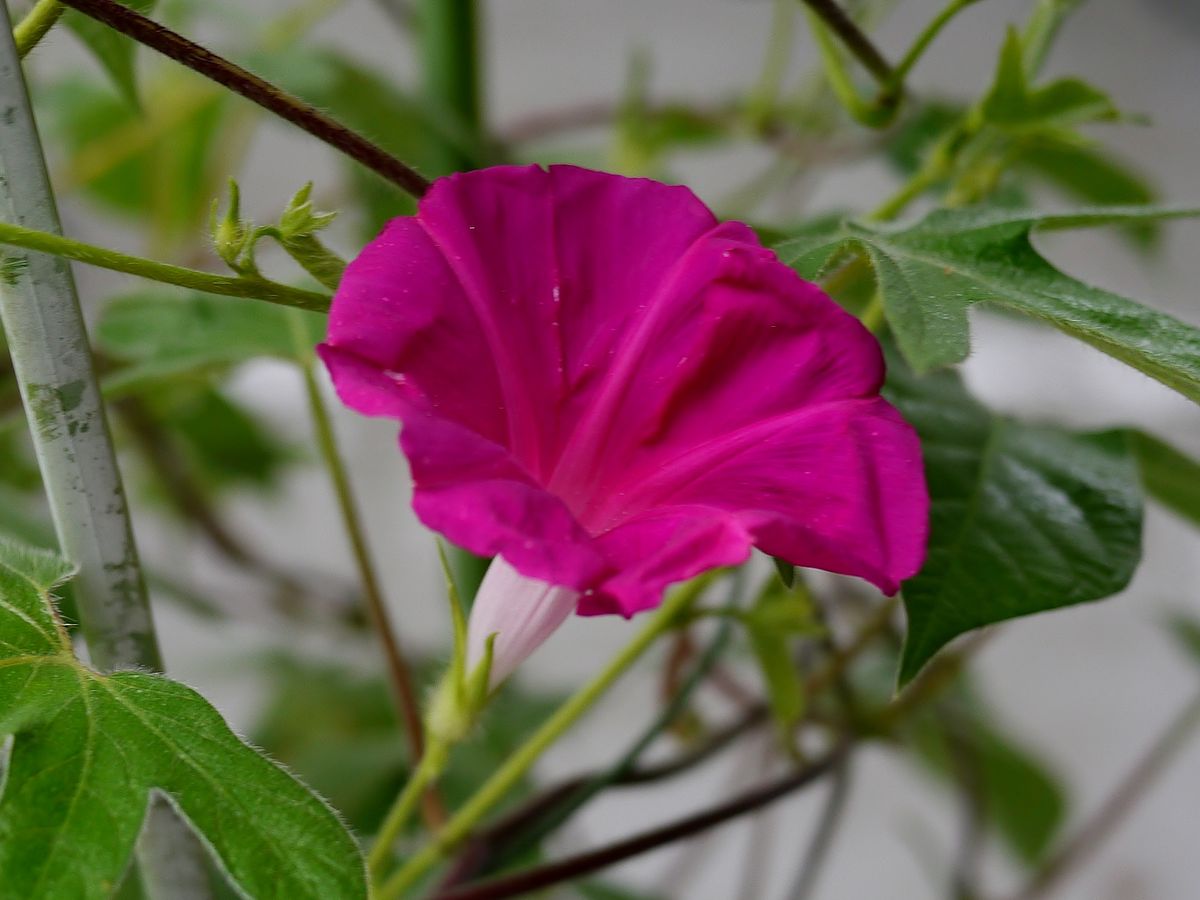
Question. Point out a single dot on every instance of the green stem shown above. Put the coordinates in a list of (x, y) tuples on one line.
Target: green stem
[(519, 763), (421, 781), (924, 39), (1042, 28), (666, 717), (250, 288), (53, 365), (39, 20), (399, 670), (450, 40), (765, 95), (865, 112), (935, 169)]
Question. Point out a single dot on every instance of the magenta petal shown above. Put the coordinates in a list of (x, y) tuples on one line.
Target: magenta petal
[(473, 492), (606, 386), (657, 549)]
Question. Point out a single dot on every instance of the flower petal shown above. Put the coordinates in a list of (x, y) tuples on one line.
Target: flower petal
[(838, 486), (614, 392), (658, 548), (521, 611)]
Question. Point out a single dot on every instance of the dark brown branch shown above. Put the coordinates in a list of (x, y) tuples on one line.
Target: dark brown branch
[(257, 90), (854, 38), (585, 863)]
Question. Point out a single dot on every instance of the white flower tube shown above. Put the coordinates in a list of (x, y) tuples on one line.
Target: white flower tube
[(521, 611)]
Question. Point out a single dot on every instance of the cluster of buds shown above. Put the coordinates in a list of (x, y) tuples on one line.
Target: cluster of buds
[(235, 239)]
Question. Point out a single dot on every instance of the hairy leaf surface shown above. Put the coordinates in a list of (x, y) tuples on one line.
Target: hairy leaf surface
[(89, 749)]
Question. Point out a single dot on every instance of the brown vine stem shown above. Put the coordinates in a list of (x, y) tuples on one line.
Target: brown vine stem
[(585, 863), (271, 98)]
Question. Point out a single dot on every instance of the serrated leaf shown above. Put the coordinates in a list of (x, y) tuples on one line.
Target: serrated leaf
[(1011, 102), (931, 271), (162, 333), (1019, 795), (115, 52), (1023, 518), (89, 749), (1169, 476)]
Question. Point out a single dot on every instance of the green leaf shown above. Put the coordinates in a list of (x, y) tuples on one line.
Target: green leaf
[(1012, 104), (1023, 519), (931, 271), (1086, 171), (115, 52), (163, 333), (124, 160), (1169, 476), (89, 749), (1020, 797)]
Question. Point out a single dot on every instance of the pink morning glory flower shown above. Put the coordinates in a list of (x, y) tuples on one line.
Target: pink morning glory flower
[(610, 391)]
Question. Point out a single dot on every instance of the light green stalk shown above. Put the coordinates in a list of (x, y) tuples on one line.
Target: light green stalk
[(52, 361), (39, 20)]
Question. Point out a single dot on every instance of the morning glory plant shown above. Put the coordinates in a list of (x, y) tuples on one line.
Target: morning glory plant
[(735, 420)]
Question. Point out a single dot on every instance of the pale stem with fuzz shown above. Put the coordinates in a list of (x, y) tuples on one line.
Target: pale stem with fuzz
[(522, 760), (53, 365)]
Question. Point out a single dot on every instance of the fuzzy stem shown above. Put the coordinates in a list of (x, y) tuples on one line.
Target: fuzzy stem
[(399, 671), (418, 785), (37, 22), (249, 288), (519, 763)]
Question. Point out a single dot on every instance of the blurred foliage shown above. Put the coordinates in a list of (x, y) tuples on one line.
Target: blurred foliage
[(336, 728), (116, 53)]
